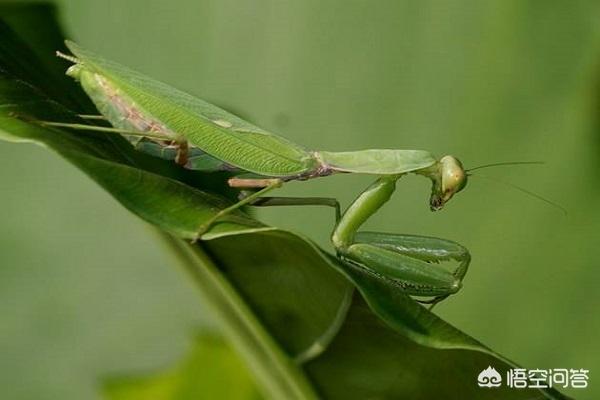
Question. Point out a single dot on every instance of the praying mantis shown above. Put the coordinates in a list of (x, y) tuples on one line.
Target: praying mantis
[(168, 123)]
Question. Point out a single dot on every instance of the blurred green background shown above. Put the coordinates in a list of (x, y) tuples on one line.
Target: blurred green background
[(85, 290)]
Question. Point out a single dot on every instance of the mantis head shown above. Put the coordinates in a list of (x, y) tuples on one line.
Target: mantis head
[(449, 179)]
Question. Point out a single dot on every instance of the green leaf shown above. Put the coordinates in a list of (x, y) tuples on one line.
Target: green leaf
[(211, 370), (286, 306)]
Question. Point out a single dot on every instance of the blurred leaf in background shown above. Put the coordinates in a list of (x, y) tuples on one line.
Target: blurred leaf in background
[(486, 81), (211, 371)]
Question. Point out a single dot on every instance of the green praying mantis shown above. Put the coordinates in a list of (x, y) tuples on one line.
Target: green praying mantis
[(174, 125)]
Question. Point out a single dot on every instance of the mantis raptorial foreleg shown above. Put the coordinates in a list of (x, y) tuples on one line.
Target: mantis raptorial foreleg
[(425, 248), (411, 261), (365, 205)]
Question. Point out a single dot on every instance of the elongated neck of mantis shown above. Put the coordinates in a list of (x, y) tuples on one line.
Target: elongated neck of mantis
[(434, 173)]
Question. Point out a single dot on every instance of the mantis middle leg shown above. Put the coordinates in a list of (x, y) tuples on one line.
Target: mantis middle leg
[(270, 185), (298, 201), (259, 200), (410, 261)]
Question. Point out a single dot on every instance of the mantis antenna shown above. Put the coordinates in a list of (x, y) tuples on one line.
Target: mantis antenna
[(512, 185), (528, 192), (506, 163)]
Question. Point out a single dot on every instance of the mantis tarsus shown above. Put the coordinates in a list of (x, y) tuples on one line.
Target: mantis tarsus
[(166, 122)]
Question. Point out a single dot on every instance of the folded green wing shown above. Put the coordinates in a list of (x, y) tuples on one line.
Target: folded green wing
[(210, 128)]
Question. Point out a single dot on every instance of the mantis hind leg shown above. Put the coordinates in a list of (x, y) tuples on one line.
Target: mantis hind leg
[(181, 148), (93, 117)]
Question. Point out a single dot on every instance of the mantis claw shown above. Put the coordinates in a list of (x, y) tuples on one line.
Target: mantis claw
[(413, 262)]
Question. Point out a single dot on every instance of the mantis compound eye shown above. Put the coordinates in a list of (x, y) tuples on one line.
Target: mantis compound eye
[(451, 180)]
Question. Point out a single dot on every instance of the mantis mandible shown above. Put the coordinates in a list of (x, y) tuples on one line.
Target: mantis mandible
[(171, 124)]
